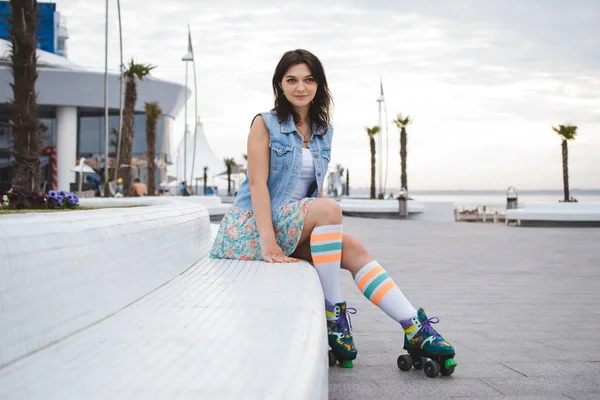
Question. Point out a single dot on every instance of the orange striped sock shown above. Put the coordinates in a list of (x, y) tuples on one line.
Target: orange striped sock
[(377, 286), (326, 251)]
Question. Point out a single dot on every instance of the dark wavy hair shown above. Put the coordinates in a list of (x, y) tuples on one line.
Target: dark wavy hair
[(319, 108)]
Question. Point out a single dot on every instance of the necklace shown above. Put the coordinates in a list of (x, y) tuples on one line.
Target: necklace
[(305, 137)]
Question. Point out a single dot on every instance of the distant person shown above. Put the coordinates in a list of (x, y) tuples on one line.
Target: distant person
[(119, 188), (139, 188), (280, 215)]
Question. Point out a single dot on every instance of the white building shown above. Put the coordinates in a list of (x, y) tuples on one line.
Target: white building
[(71, 104)]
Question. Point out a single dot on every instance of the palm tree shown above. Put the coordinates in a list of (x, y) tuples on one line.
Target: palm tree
[(566, 132), (26, 129), (372, 132), (401, 123), (153, 113), (229, 163), (347, 182), (205, 177), (133, 72)]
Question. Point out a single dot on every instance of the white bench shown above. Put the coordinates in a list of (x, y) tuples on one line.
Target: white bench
[(377, 208), (125, 303), (216, 208), (566, 214)]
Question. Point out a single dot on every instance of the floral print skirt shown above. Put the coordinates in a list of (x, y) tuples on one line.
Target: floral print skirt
[(238, 236)]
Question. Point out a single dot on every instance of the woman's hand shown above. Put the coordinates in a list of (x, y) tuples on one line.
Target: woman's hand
[(272, 253)]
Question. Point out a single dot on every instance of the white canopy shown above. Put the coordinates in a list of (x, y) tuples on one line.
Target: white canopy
[(205, 157)]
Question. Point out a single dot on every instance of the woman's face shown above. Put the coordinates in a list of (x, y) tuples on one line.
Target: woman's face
[(299, 86)]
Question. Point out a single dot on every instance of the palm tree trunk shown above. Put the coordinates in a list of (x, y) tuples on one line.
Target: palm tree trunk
[(347, 182), (403, 177), (205, 178), (372, 143), (151, 153), (228, 179), (565, 161), (127, 134), (27, 135)]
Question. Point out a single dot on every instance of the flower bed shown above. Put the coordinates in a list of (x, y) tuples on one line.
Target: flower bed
[(15, 200)]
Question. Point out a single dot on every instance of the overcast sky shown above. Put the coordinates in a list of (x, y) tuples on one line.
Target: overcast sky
[(483, 80)]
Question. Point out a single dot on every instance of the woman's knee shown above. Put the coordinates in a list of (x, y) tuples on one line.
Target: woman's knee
[(329, 211)]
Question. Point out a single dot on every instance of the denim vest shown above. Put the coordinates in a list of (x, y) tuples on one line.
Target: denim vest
[(286, 162)]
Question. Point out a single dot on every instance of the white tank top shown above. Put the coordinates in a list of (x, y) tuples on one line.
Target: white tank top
[(307, 176)]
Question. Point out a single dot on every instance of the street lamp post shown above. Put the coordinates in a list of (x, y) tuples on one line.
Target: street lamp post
[(189, 56), (106, 94)]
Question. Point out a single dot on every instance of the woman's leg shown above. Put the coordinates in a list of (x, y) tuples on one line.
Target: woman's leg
[(371, 279), (322, 232), (322, 235), (369, 276)]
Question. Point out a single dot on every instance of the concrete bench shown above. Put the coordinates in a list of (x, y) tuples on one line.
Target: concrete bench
[(377, 208), (555, 214), (216, 208), (125, 303)]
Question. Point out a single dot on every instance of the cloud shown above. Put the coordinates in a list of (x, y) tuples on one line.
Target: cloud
[(484, 80)]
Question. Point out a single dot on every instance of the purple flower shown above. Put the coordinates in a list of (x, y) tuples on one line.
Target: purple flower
[(58, 201), (52, 193), (72, 199), (62, 193)]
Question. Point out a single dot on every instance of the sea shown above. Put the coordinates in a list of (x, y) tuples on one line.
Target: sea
[(492, 199)]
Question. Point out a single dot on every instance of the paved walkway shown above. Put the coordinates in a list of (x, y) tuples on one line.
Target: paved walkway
[(520, 305)]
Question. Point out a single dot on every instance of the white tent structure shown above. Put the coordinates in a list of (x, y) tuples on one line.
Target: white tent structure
[(205, 157)]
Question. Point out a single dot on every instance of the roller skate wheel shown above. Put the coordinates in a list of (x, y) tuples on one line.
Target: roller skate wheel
[(432, 368), (449, 363), (332, 358), (447, 368), (346, 363), (418, 362), (405, 362)]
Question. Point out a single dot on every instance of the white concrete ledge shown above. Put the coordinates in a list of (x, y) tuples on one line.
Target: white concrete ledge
[(440, 211), (61, 272), (216, 208), (109, 301), (555, 214), (354, 206)]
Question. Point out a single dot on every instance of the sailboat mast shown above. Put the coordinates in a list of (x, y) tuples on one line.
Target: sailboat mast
[(379, 137)]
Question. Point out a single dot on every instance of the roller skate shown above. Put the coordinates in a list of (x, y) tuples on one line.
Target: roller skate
[(421, 342), (339, 333)]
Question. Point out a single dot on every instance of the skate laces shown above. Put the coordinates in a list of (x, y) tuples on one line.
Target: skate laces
[(428, 328), (344, 319)]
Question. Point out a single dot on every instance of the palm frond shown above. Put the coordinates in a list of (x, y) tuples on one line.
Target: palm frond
[(153, 110), (372, 131), (229, 161), (139, 71), (566, 132), (402, 122)]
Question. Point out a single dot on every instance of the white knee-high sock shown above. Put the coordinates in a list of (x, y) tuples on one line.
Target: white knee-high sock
[(326, 252), (377, 286)]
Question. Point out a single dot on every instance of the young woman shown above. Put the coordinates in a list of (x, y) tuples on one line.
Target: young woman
[(279, 214)]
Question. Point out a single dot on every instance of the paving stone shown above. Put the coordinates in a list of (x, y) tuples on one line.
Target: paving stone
[(578, 395), (560, 369), (504, 296), (542, 385)]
